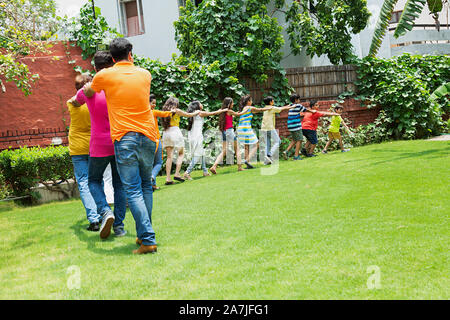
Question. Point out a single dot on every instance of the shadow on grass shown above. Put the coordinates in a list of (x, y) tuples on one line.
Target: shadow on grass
[(93, 238), (437, 153)]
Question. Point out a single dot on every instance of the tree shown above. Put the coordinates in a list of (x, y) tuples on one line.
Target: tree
[(239, 35), (324, 27), (89, 30), (24, 27), (412, 10)]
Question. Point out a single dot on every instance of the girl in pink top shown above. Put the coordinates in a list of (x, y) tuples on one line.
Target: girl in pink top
[(228, 135)]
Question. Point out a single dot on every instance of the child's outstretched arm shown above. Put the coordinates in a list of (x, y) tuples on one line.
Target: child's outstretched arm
[(238, 114), (213, 113), (329, 114), (287, 107), (255, 109), (185, 114), (346, 127)]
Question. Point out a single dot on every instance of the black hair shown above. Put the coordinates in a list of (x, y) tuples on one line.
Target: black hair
[(267, 100), (152, 97), (339, 107), (244, 100), (120, 48), (312, 103), (293, 97), (225, 105), (193, 106), (102, 60), (170, 104)]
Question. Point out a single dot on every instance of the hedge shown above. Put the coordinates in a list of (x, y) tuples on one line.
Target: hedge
[(24, 168)]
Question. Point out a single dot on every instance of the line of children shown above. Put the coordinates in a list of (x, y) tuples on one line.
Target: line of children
[(302, 121)]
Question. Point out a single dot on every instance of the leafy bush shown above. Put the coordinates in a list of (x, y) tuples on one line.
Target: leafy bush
[(24, 168), (5, 190), (402, 87)]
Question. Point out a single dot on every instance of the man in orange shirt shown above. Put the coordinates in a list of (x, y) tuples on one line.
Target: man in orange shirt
[(133, 132)]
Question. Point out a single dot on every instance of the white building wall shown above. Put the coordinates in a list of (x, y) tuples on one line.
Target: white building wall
[(158, 41)]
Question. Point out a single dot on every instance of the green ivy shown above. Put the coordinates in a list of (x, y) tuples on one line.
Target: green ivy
[(402, 87), (239, 35)]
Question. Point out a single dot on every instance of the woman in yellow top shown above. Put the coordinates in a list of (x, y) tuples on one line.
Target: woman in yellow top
[(79, 136), (173, 138)]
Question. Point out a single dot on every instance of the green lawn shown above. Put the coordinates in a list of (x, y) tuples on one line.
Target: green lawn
[(311, 231)]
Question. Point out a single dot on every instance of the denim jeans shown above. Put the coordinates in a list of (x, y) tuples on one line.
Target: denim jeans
[(81, 169), (97, 166), (157, 163), (272, 134), (134, 157), (195, 160)]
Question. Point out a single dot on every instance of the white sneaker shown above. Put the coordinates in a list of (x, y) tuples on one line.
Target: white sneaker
[(107, 222)]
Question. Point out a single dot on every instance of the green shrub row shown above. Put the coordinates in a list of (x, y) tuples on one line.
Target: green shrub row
[(24, 168)]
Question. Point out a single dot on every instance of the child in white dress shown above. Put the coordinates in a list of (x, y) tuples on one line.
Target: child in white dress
[(195, 136)]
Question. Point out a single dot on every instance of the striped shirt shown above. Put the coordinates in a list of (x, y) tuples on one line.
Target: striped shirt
[(294, 121), (245, 132)]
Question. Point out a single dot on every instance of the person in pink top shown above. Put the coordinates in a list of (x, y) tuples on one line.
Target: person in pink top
[(101, 153), (228, 135)]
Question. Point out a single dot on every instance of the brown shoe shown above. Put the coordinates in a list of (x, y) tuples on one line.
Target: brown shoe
[(138, 241), (145, 249)]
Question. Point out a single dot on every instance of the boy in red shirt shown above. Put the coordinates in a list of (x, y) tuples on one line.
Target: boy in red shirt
[(309, 127)]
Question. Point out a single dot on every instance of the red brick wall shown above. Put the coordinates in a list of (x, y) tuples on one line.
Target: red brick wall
[(36, 119), (353, 111)]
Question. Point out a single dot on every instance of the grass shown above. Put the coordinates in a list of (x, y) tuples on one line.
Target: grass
[(310, 231)]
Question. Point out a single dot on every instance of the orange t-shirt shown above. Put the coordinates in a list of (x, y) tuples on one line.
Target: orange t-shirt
[(160, 114), (127, 91)]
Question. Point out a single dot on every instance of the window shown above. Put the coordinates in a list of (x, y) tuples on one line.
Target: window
[(395, 18), (132, 19)]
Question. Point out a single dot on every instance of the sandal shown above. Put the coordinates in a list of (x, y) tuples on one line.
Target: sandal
[(179, 179), (169, 183), (213, 170)]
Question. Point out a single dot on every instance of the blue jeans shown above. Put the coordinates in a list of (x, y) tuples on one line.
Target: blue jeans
[(157, 163), (272, 134), (81, 169), (97, 166), (134, 157), (195, 160)]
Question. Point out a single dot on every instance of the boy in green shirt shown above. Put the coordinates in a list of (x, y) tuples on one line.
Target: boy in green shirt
[(333, 130)]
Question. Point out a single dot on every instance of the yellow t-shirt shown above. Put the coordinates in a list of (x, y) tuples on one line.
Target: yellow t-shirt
[(127, 91), (268, 121), (175, 121), (335, 124), (80, 130)]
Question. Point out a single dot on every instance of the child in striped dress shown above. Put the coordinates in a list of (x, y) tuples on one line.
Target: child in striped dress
[(244, 131)]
